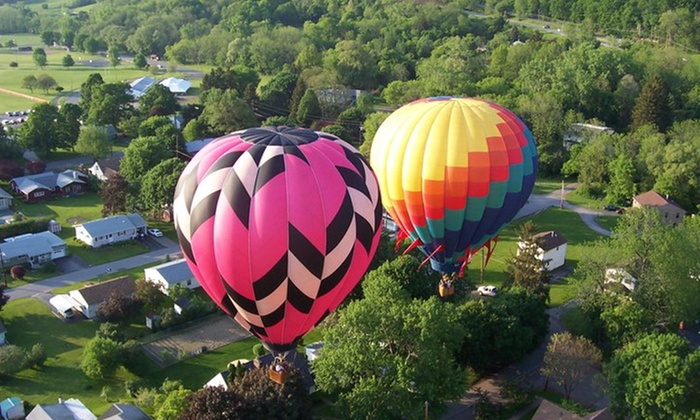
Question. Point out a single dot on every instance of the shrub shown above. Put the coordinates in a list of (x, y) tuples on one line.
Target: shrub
[(19, 227), (11, 360), (9, 170), (17, 272), (36, 357), (258, 350), (13, 64)]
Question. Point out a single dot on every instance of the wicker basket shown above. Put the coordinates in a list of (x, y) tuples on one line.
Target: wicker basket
[(279, 376)]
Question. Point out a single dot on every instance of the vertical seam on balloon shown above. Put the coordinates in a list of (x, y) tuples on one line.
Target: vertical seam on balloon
[(250, 262)]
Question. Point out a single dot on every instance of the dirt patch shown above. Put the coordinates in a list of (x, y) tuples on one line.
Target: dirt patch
[(76, 220)]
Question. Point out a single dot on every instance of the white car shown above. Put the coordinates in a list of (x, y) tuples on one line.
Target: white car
[(487, 290), (155, 232)]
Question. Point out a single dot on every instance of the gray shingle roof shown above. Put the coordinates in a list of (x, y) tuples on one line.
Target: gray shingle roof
[(174, 271), (48, 180), (142, 84), (97, 293), (4, 194), (32, 245), (124, 412), (113, 224)]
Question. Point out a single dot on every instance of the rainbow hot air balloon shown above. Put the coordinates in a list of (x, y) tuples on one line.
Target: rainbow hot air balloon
[(453, 172), (278, 225)]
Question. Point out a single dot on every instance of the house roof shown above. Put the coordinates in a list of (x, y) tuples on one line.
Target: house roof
[(99, 292), (654, 199), (549, 240), (31, 245), (176, 85), (8, 403), (48, 180), (142, 84), (71, 409), (547, 410), (173, 272), (113, 224), (124, 412), (4, 194)]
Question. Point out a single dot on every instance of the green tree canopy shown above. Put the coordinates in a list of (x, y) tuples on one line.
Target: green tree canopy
[(158, 184), (101, 358), (309, 109), (225, 111), (94, 141), (159, 95), (142, 154), (40, 132), (39, 57), (68, 61), (109, 104)]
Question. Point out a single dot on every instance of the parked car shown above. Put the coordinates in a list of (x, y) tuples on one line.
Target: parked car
[(487, 290), (611, 207), (155, 232)]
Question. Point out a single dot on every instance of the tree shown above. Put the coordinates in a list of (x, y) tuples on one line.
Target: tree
[(39, 132), (568, 360), (297, 94), (86, 91), (404, 270), (279, 90), (35, 357), (225, 112), (196, 129), (264, 398), (526, 269), (215, 403), (68, 61), (148, 294), (622, 176), (45, 82), (17, 272), (94, 141), (30, 82), (159, 95), (172, 401), (656, 377), (309, 109), (70, 123), (101, 358), (39, 57), (140, 61), (109, 104), (158, 184), (113, 56), (370, 126), (11, 359), (237, 77), (114, 194), (117, 307), (387, 354), (111, 331), (652, 105), (142, 154)]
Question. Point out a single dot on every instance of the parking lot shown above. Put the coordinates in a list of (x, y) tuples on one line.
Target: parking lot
[(12, 118)]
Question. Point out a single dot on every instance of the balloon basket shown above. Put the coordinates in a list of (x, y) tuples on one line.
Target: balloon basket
[(278, 373), (446, 290)]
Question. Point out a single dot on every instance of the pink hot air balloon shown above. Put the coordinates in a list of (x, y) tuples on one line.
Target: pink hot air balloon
[(278, 225)]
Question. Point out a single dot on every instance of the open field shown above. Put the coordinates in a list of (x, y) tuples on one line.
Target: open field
[(21, 39), (10, 102)]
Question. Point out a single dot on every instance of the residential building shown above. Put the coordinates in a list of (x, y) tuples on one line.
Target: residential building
[(619, 275), (669, 210), (90, 298), (176, 86), (33, 248), (578, 132), (551, 247), (167, 275), (103, 169), (124, 412), (547, 410), (46, 185), (12, 408), (5, 200), (140, 86), (70, 409), (111, 230)]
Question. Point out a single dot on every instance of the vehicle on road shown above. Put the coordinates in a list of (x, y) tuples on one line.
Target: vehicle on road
[(155, 232), (487, 290), (611, 207)]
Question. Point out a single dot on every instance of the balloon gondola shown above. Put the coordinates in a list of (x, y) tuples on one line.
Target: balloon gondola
[(278, 224), (452, 172)]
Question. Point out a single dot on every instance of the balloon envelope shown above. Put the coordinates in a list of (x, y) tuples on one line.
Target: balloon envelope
[(453, 172), (278, 225)]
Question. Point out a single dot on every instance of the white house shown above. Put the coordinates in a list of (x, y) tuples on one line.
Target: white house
[(171, 273), (619, 275), (5, 200), (70, 409), (3, 330), (104, 168), (551, 246), (111, 230), (89, 298), (33, 248), (578, 132)]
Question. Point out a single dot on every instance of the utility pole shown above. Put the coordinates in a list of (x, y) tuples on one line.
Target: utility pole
[(483, 263), (561, 201)]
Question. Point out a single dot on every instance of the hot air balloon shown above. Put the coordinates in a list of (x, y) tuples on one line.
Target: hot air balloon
[(452, 172), (278, 224)]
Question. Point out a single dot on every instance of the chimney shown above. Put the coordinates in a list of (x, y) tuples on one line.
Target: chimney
[(60, 400)]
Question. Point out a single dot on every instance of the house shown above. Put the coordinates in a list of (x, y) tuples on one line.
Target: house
[(670, 211), (334, 96), (90, 298), (46, 185), (551, 246), (175, 85), (178, 121), (547, 410), (35, 249), (578, 132), (111, 229), (192, 147), (181, 304), (619, 275), (313, 350), (124, 412), (103, 169), (12, 408), (140, 86), (167, 275), (3, 331), (5, 200), (70, 409)]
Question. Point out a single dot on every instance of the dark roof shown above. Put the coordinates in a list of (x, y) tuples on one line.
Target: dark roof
[(548, 410), (97, 293), (654, 199), (50, 412), (110, 164), (549, 240), (124, 412)]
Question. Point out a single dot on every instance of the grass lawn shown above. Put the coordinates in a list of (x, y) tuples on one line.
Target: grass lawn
[(580, 238), (578, 199), (105, 254), (545, 185), (21, 39), (608, 222), (15, 103)]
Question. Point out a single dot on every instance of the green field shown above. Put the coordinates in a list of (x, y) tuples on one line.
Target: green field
[(10, 102), (21, 39)]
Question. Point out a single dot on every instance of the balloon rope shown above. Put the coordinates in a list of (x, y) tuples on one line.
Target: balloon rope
[(438, 249), (491, 249), (413, 246), (399, 238)]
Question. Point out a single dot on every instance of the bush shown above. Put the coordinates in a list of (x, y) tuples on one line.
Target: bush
[(11, 360), (36, 357), (17, 272), (20, 227), (48, 267), (258, 350), (13, 64), (9, 170)]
